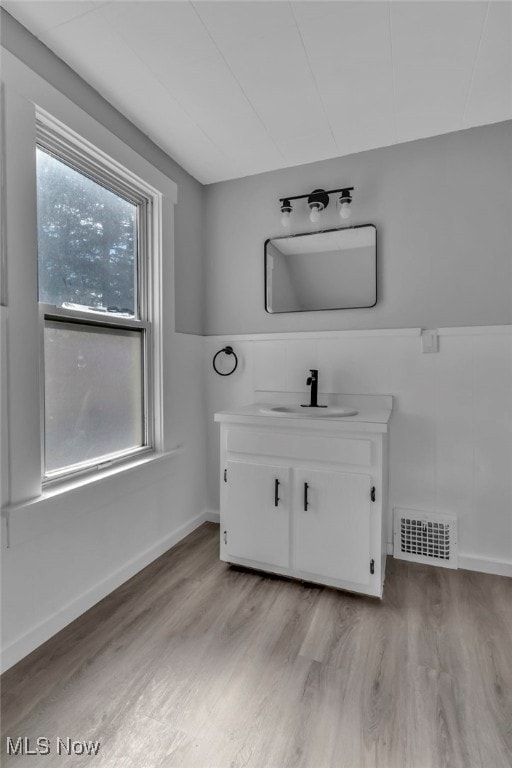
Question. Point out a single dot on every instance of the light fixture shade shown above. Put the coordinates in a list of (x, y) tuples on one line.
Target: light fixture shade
[(345, 211), (344, 204), (314, 215), (286, 210), (317, 201)]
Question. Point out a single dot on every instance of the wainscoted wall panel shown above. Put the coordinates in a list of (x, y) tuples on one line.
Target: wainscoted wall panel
[(280, 366), (492, 424), (454, 433), (451, 428), (87, 545)]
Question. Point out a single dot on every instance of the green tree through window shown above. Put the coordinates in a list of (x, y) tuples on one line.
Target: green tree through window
[(87, 240), (93, 242)]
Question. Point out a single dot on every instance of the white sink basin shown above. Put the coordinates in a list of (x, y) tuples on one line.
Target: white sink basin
[(330, 412)]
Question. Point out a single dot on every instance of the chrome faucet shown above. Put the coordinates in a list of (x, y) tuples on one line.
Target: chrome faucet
[(312, 381)]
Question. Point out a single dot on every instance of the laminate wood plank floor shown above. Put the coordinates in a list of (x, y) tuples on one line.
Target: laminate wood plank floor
[(196, 664)]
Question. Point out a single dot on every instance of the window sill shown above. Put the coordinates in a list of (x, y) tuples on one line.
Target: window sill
[(64, 485), (37, 516)]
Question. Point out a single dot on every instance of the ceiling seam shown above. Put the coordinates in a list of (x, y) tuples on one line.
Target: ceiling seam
[(264, 149), (393, 86), (235, 78), (475, 64), (172, 96), (144, 64), (98, 7), (98, 91), (314, 79)]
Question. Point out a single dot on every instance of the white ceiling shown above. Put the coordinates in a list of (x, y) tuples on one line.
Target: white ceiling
[(235, 88)]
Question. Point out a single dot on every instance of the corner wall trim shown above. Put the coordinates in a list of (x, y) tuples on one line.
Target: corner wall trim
[(32, 639), (211, 515)]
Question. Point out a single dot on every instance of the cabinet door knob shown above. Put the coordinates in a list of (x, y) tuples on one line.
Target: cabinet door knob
[(276, 492), (306, 486)]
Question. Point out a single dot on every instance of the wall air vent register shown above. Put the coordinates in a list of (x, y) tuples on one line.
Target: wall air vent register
[(425, 537)]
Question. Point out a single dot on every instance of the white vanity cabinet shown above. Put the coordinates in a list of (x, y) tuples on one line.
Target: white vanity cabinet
[(332, 525), (305, 497), (256, 512)]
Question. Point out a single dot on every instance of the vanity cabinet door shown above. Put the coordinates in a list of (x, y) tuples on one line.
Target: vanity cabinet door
[(256, 512), (332, 525)]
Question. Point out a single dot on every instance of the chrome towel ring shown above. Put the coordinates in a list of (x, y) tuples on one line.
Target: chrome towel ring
[(226, 351)]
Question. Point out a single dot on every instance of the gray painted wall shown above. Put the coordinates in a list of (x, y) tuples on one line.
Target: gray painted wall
[(444, 252), (443, 210), (189, 232)]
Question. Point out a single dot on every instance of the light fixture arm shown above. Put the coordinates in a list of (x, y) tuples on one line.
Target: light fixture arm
[(304, 197), (317, 201)]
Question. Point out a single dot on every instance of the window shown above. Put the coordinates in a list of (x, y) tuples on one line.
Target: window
[(93, 247)]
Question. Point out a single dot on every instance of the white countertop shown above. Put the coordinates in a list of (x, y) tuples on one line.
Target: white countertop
[(373, 414)]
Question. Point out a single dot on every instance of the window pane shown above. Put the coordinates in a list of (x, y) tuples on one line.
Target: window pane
[(93, 392), (86, 241)]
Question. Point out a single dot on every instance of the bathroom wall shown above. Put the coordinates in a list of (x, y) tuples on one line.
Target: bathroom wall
[(451, 427), (442, 208), (63, 549), (68, 552), (443, 260), (189, 237)]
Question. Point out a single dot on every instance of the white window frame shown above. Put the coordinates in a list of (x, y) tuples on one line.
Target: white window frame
[(64, 144), (25, 503)]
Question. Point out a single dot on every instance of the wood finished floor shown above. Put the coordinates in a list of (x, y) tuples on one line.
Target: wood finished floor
[(194, 664)]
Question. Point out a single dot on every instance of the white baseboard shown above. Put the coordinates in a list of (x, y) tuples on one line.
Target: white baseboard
[(211, 515), (485, 565), (29, 641), (478, 564)]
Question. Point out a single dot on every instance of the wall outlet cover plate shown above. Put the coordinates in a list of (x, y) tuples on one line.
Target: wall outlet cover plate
[(429, 342)]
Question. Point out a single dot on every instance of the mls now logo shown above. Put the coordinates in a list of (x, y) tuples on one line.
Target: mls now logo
[(22, 746), (42, 746), (71, 747)]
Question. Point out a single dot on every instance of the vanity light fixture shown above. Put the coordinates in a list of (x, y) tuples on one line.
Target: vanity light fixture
[(344, 202), (286, 209), (317, 200)]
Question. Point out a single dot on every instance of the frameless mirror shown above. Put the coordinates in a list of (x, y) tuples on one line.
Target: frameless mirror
[(333, 269)]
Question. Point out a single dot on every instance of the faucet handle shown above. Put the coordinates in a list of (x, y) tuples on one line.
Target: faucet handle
[(313, 377)]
